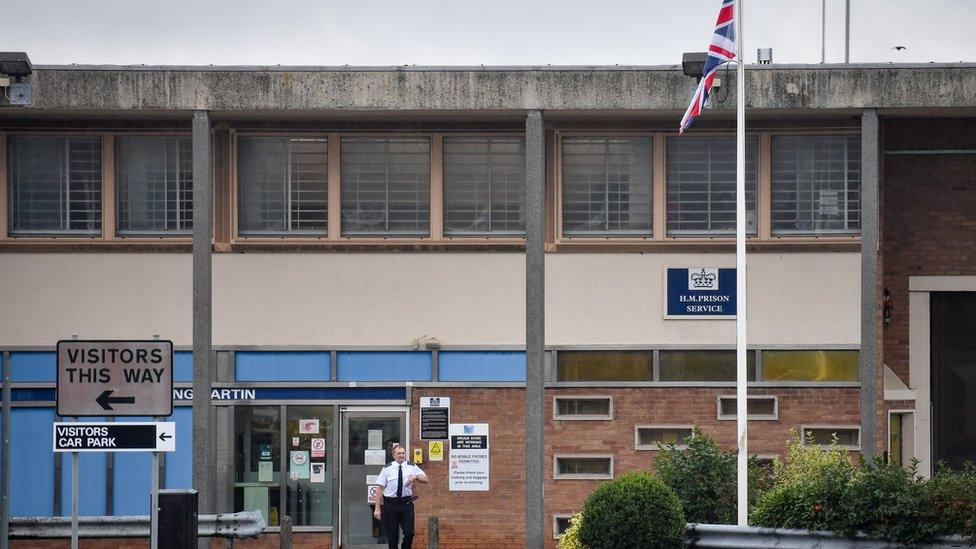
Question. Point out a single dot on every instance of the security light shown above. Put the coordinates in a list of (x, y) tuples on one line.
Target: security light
[(693, 63), (15, 64)]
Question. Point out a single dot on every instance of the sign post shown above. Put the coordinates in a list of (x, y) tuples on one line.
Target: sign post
[(115, 378)]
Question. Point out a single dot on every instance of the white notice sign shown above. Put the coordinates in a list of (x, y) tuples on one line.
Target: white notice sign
[(375, 457), (469, 469)]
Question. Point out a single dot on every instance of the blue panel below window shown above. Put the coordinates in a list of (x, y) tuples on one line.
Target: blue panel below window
[(92, 475), (481, 366), (31, 462), (384, 366), (31, 366), (33, 395), (283, 366), (183, 366), (133, 480), (179, 464)]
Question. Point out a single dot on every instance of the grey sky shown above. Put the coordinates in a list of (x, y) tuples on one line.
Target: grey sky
[(463, 32)]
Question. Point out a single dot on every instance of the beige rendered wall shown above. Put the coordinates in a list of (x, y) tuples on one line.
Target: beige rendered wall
[(389, 299)]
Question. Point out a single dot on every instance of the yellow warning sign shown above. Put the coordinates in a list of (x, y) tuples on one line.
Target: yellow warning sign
[(435, 451)]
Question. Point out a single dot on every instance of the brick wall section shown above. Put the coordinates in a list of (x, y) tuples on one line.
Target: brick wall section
[(496, 518), (928, 215)]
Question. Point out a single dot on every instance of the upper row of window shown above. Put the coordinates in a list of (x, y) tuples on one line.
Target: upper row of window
[(55, 185)]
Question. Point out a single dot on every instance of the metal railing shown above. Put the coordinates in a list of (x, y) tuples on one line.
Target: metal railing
[(747, 537), (247, 524)]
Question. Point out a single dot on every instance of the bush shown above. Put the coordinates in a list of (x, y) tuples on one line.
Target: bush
[(571, 539), (636, 510), (808, 492), (888, 502), (952, 497), (704, 478)]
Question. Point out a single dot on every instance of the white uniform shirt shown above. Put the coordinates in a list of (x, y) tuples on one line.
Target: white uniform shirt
[(388, 479)]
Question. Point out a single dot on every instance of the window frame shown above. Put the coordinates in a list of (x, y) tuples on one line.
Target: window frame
[(556, 517), (752, 417), (556, 475), (654, 447), (556, 416), (112, 163), (834, 427)]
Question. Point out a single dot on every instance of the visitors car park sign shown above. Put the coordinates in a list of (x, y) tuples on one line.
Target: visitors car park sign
[(115, 437), (115, 378)]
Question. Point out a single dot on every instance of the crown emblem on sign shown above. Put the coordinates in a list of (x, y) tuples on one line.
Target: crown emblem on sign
[(702, 279)]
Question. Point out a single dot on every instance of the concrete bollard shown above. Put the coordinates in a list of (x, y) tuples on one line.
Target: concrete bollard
[(433, 533), (285, 538)]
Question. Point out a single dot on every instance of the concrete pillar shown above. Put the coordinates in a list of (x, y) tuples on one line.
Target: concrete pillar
[(535, 327), (202, 309), (870, 168)]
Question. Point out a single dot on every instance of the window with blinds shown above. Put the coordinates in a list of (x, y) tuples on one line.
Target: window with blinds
[(816, 184), (484, 186), (154, 178), (385, 187), (606, 186), (282, 186), (701, 185), (55, 185)]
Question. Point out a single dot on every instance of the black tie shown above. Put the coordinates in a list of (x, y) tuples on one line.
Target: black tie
[(400, 481)]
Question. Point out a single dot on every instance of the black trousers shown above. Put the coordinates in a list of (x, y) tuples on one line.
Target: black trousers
[(398, 515)]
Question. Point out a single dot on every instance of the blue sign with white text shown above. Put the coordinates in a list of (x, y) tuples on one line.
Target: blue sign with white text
[(701, 292)]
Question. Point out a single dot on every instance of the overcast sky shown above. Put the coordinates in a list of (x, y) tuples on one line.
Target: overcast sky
[(467, 32)]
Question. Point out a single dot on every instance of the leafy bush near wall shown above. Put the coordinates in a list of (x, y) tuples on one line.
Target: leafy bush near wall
[(704, 478), (636, 510), (571, 539), (822, 489), (952, 496)]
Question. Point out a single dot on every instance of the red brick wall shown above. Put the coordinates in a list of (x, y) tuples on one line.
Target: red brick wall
[(928, 220), (267, 541), (496, 518)]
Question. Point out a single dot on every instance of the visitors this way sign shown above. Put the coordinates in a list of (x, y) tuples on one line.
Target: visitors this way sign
[(115, 378), (115, 437)]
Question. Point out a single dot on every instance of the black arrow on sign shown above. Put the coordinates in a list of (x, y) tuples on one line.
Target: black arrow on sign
[(105, 400), (164, 436)]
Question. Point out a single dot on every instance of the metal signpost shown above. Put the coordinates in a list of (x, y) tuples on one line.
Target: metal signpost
[(115, 378)]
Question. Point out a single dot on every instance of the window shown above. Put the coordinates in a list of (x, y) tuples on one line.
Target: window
[(647, 437), (560, 523), (55, 185), (282, 186), (816, 184), (760, 407), (154, 177), (302, 489), (568, 467), (847, 437), (703, 365), (606, 186), (582, 407), (604, 365), (385, 187), (484, 186), (810, 365), (701, 185)]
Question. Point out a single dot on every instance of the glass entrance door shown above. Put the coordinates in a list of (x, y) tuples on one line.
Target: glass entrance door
[(366, 442)]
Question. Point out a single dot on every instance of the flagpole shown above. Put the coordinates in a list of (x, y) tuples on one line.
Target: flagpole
[(740, 279)]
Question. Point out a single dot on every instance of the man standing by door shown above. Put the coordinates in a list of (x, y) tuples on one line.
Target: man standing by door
[(396, 498)]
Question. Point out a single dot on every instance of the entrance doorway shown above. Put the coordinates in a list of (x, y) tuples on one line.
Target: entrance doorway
[(366, 446), (953, 378)]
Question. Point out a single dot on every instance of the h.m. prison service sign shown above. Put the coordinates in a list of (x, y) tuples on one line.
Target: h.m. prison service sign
[(700, 293), (115, 378)]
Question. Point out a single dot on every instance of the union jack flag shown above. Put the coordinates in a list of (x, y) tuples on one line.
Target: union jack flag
[(720, 51)]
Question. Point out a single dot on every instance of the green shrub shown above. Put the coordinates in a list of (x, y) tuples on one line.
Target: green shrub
[(571, 539), (809, 491), (635, 511), (704, 478), (888, 502), (952, 497)]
